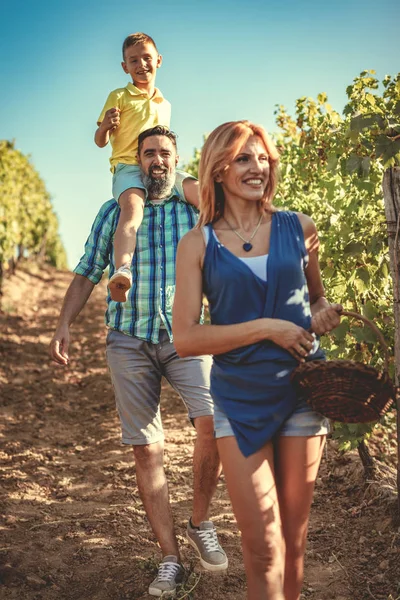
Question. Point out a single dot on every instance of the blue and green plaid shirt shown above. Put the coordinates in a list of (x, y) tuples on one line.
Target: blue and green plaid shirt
[(149, 303)]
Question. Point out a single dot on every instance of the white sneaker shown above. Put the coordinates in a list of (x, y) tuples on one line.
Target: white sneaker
[(120, 283), (170, 573)]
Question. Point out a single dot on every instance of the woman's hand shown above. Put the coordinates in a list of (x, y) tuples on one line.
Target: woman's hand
[(291, 337), (326, 319)]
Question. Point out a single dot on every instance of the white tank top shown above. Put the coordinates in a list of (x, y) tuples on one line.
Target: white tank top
[(257, 264)]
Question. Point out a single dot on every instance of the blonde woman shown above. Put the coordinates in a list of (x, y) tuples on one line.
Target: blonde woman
[(259, 269)]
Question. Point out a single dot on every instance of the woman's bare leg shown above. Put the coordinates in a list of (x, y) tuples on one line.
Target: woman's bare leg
[(297, 460), (251, 486)]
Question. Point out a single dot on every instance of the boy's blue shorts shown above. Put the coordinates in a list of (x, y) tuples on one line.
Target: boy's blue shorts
[(130, 176), (125, 177)]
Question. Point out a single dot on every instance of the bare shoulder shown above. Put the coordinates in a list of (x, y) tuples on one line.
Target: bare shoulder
[(192, 242), (307, 224), (310, 232), (191, 249)]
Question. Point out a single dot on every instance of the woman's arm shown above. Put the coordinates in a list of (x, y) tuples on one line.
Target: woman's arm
[(193, 339), (325, 316)]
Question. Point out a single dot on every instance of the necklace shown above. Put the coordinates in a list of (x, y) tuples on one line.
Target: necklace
[(247, 246)]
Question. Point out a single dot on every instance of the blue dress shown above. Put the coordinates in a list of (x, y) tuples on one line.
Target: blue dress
[(252, 383)]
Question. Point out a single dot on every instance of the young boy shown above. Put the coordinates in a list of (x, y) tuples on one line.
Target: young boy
[(127, 112)]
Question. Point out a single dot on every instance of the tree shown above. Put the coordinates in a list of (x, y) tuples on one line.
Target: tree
[(28, 223)]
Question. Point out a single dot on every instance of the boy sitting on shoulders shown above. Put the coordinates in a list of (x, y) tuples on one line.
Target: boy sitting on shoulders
[(127, 112)]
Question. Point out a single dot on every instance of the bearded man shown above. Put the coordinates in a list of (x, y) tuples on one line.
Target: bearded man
[(140, 352)]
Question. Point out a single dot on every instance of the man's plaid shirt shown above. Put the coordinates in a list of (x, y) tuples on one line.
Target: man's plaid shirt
[(149, 303)]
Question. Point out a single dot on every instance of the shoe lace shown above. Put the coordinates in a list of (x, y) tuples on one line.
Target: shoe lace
[(210, 540), (167, 571)]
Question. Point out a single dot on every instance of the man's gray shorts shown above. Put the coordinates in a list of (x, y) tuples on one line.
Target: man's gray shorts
[(137, 368)]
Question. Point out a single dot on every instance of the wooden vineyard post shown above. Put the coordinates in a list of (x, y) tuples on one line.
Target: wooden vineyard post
[(391, 194)]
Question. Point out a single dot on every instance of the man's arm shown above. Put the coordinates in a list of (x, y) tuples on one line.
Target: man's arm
[(75, 299), (88, 273)]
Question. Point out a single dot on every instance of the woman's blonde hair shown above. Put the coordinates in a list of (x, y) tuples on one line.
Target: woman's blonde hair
[(219, 150)]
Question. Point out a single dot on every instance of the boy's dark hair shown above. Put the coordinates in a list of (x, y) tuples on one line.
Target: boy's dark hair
[(137, 38), (156, 130)]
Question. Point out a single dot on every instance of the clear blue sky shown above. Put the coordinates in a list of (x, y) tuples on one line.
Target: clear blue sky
[(223, 60)]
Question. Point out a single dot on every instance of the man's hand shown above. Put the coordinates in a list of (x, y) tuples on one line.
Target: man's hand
[(111, 120), (326, 319), (75, 299), (59, 346)]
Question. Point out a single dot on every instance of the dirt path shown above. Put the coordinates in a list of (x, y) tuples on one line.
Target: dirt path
[(72, 525)]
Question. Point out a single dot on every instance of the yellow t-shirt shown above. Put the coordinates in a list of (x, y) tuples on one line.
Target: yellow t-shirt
[(138, 113)]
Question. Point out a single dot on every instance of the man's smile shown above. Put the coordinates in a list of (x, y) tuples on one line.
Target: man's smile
[(157, 171)]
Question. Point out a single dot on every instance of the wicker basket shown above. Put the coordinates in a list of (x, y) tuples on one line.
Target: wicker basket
[(344, 390)]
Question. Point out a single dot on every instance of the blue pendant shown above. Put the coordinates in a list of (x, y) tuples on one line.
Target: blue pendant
[(247, 247)]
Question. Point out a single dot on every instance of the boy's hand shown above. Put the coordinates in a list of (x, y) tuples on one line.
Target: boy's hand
[(111, 120)]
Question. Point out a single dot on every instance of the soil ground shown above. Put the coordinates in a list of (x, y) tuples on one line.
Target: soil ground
[(72, 524)]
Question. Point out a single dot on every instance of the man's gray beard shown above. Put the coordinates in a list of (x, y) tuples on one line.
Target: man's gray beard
[(159, 187)]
